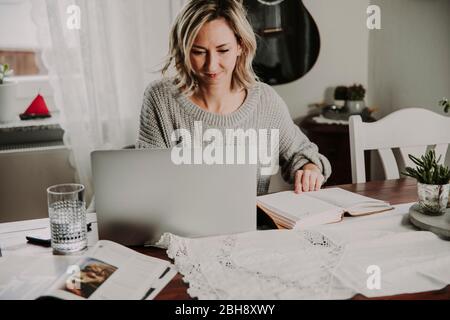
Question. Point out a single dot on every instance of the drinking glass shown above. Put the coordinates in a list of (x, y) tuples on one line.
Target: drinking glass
[(67, 213)]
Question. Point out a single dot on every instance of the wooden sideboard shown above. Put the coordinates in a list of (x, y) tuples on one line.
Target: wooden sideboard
[(334, 143)]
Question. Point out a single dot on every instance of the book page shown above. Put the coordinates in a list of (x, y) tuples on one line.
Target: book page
[(296, 206), (112, 271), (352, 202)]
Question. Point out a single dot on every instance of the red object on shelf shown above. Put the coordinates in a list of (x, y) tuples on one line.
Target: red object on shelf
[(37, 109)]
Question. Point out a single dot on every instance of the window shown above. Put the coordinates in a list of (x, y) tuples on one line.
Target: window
[(18, 44)]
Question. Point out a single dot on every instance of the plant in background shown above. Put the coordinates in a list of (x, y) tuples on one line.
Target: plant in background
[(444, 104), (4, 72), (356, 92), (340, 93), (428, 171)]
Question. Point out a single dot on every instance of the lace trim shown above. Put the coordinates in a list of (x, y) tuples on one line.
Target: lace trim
[(198, 285)]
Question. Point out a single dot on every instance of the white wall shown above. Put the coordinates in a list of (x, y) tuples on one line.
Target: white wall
[(409, 59), (343, 58)]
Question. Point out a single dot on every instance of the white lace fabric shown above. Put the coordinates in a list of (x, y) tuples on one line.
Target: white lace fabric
[(248, 265), (326, 262), (321, 119)]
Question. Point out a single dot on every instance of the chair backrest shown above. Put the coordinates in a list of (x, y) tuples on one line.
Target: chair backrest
[(411, 130)]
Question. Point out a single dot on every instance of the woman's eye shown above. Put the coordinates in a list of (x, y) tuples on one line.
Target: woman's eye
[(223, 51), (198, 52)]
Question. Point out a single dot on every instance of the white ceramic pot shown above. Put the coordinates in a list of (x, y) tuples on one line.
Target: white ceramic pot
[(355, 107), (8, 101)]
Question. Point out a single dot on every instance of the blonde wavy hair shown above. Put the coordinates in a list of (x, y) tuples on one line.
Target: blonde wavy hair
[(185, 29)]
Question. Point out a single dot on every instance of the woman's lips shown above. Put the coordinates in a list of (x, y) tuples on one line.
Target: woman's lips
[(212, 75)]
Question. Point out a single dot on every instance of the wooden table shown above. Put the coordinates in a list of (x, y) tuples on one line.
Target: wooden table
[(393, 191)]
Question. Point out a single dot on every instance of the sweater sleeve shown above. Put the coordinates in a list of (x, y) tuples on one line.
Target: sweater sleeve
[(152, 133), (295, 148)]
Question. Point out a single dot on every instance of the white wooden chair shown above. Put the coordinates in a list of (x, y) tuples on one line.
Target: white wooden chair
[(411, 130)]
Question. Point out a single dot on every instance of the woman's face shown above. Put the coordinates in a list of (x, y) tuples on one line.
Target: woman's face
[(214, 53)]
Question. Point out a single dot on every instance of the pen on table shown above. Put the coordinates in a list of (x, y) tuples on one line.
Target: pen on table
[(38, 241), (48, 242)]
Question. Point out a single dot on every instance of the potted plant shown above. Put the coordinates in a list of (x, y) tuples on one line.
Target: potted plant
[(340, 96), (7, 95), (355, 99), (432, 183), (445, 104)]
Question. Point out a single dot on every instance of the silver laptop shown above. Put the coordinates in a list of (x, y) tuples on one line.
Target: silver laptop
[(140, 194)]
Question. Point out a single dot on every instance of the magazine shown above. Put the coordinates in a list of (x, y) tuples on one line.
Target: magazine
[(108, 271)]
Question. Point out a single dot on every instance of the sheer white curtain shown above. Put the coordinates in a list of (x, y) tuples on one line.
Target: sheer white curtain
[(99, 71)]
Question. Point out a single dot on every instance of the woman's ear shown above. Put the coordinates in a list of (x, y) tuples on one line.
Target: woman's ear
[(239, 52), (239, 47)]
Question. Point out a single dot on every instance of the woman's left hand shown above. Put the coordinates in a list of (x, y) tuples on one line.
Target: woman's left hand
[(309, 178)]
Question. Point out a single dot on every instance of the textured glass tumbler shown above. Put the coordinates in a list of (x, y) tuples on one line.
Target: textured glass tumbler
[(67, 213)]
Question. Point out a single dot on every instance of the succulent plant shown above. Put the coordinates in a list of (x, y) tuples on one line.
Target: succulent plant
[(445, 104), (356, 92), (4, 72), (428, 170)]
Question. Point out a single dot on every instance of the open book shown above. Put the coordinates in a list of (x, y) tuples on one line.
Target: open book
[(107, 271), (291, 210)]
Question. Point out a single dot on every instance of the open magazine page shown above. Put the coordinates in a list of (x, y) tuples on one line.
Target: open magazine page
[(348, 200), (112, 271), (26, 277)]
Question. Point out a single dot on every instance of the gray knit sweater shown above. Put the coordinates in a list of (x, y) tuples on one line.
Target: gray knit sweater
[(165, 109)]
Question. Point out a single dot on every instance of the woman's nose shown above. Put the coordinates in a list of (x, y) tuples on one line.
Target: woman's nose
[(212, 62)]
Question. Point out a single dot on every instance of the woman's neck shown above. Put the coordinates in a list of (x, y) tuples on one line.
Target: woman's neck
[(218, 99)]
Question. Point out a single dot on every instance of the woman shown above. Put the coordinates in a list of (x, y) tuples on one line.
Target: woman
[(212, 46)]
